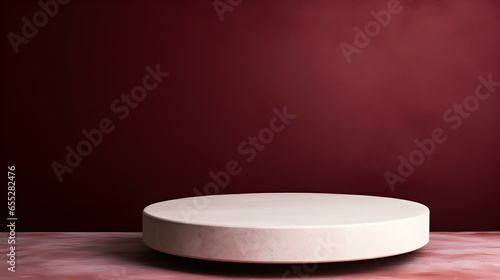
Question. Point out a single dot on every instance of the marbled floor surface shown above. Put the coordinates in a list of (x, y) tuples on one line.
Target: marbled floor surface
[(87, 256)]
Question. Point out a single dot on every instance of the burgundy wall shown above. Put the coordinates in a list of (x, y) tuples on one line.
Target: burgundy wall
[(353, 120)]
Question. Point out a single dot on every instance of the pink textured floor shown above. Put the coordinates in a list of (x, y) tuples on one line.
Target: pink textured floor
[(86, 256)]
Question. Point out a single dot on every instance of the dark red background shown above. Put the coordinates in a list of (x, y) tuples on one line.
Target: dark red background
[(353, 120)]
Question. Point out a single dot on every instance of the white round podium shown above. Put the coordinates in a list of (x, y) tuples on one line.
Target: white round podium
[(286, 227)]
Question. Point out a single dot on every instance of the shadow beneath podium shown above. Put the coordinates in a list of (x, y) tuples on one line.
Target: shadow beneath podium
[(132, 249)]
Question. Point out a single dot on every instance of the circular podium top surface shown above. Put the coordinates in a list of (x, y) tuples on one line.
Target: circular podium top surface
[(285, 210)]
